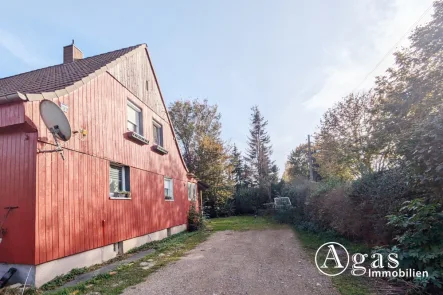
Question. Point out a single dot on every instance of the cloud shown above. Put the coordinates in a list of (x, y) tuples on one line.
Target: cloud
[(353, 61), (17, 48)]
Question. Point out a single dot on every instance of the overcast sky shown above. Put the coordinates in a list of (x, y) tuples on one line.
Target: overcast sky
[(293, 59)]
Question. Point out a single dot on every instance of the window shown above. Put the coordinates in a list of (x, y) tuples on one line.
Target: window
[(169, 189), (189, 191), (192, 191), (119, 181), (158, 133), (134, 114)]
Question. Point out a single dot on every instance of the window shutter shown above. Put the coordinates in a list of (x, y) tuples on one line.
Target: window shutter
[(127, 180)]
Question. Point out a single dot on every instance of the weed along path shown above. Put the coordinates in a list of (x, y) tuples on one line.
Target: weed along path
[(256, 261)]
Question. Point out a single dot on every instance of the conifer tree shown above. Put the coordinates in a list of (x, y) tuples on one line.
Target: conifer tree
[(237, 168), (259, 152)]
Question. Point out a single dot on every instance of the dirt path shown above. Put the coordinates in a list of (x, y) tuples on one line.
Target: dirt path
[(250, 262)]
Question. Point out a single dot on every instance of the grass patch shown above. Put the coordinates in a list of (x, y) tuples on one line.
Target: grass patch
[(129, 274), (242, 223), (345, 283)]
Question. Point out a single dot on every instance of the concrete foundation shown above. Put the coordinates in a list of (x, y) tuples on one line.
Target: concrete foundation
[(43, 273)]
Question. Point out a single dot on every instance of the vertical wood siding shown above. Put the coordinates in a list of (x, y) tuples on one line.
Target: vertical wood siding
[(137, 74), (11, 114), (73, 209), (17, 175)]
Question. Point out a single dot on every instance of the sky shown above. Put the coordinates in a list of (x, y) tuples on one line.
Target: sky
[(293, 59)]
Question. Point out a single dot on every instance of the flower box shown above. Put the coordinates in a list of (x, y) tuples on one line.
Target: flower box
[(160, 150)]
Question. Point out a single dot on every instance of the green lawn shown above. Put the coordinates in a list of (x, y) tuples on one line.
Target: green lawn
[(241, 223)]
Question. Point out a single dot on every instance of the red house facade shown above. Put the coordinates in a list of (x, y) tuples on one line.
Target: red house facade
[(114, 190)]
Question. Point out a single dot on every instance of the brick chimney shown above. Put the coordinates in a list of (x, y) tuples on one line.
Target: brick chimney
[(71, 53)]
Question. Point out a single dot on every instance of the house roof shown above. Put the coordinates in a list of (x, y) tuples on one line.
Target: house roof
[(55, 81), (60, 76)]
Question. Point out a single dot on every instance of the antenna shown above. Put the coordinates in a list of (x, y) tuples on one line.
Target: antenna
[(57, 123)]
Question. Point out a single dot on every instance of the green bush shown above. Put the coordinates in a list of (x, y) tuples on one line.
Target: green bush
[(298, 192), (249, 200), (376, 195), (287, 216), (195, 218), (420, 240), (355, 210)]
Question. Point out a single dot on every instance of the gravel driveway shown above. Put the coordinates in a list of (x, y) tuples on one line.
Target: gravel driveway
[(249, 262)]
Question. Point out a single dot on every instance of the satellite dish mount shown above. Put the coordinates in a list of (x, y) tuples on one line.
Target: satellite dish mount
[(57, 123)]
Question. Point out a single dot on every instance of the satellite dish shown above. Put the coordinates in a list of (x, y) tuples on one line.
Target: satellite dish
[(55, 120), (57, 123)]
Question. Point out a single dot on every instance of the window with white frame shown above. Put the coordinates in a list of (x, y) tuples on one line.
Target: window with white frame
[(134, 114), (169, 189), (189, 191), (192, 191), (119, 181), (158, 133)]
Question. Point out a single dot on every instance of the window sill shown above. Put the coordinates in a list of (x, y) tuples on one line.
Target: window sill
[(159, 149), (118, 198), (122, 196), (169, 200), (134, 136)]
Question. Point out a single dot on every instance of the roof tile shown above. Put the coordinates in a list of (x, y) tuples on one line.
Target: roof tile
[(59, 76)]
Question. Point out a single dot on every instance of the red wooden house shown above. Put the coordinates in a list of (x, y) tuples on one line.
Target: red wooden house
[(114, 190)]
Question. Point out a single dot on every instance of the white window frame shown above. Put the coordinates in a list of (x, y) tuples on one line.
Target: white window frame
[(139, 124), (124, 169), (192, 191), (189, 191), (172, 188)]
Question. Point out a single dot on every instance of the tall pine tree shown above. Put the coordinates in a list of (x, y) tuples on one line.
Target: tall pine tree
[(259, 153), (238, 169)]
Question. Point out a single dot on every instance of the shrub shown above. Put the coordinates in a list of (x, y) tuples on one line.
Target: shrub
[(298, 192), (377, 195), (249, 200), (195, 218), (355, 210), (287, 216), (325, 186), (420, 240)]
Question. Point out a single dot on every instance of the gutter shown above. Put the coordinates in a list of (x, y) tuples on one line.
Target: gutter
[(13, 97)]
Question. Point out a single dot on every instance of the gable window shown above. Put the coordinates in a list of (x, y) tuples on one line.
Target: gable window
[(119, 181), (169, 189), (158, 133), (134, 114)]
